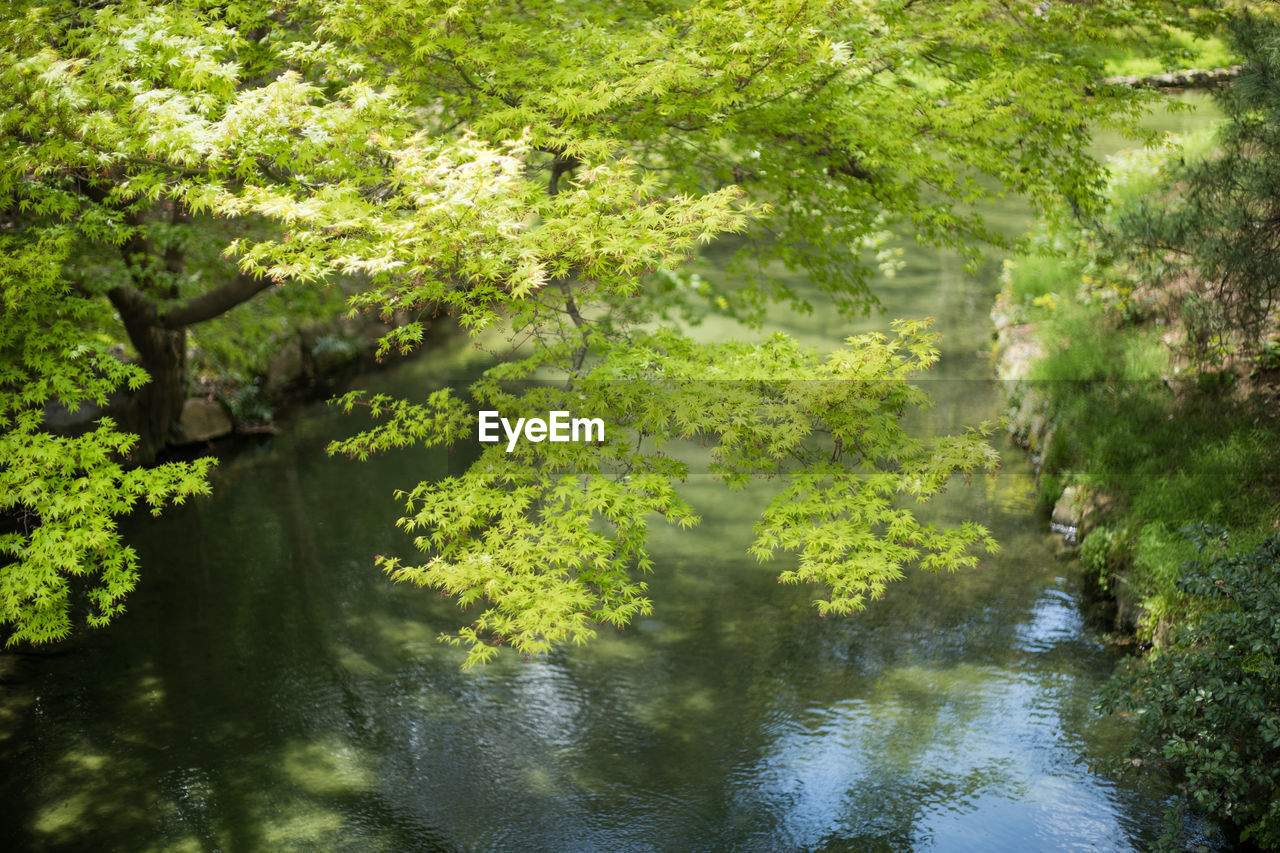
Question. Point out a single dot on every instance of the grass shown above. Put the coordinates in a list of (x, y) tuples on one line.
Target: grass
[(1168, 452), (1169, 457), (1192, 52), (1039, 275)]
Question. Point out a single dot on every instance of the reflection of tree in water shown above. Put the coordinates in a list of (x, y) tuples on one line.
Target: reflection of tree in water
[(704, 717), (221, 716)]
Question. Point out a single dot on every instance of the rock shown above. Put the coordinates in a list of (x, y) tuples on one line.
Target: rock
[(285, 367), (331, 352), (61, 420), (202, 419), (1066, 512), (1129, 610), (1036, 430)]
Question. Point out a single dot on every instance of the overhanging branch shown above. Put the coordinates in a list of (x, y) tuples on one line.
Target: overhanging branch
[(206, 306)]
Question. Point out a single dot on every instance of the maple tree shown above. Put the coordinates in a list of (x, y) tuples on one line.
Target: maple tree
[(544, 168)]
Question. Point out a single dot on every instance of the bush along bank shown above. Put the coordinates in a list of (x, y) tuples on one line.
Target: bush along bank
[(1159, 462)]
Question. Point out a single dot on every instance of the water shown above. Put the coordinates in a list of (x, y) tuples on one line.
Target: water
[(268, 689)]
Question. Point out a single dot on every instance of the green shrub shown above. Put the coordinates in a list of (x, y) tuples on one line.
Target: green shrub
[(1104, 549), (1050, 489), (1087, 343), (1268, 357), (1208, 705)]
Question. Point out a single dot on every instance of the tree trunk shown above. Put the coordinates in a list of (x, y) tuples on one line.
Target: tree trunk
[(159, 402), (156, 321), (154, 409), (159, 334)]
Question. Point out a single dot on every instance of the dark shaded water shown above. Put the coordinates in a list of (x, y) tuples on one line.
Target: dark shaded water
[(268, 689)]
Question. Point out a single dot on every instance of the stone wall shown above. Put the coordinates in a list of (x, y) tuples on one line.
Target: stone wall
[(1076, 511), (1191, 78)]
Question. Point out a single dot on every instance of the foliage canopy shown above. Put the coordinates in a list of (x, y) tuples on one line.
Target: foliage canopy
[(531, 166), (1209, 228)]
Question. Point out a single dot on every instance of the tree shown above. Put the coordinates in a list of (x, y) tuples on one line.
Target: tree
[(1217, 221), (545, 167)]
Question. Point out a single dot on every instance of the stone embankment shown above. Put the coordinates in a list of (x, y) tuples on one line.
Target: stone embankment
[(1015, 349), (1076, 511), (1191, 78), (307, 365)]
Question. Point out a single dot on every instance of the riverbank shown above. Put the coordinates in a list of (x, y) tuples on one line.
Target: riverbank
[(300, 366), (241, 378), (1158, 461), (1132, 441)]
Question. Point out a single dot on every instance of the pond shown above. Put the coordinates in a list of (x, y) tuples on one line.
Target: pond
[(269, 689)]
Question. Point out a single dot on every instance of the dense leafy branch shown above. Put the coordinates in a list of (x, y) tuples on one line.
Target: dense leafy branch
[(542, 167), (549, 539)]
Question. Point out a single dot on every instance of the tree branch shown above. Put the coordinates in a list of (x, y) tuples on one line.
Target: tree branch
[(561, 164), (133, 305), (206, 306)]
